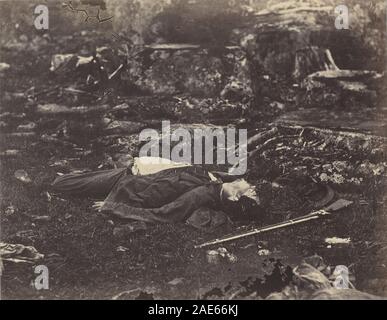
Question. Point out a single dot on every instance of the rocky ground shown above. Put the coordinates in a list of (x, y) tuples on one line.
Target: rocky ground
[(84, 111)]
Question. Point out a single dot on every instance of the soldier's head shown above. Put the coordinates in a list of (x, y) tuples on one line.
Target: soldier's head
[(237, 189), (240, 200)]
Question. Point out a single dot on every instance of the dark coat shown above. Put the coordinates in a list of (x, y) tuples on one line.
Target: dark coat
[(174, 195)]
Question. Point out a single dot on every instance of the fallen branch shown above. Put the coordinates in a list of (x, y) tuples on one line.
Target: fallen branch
[(256, 139), (70, 6), (331, 132)]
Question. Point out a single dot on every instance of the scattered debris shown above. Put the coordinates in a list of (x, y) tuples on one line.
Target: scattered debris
[(31, 126), (61, 60), (10, 153), (4, 67), (48, 196), (336, 240), (22, 176), (127, 127), (129, 228), (264, 252), (26, 234), (310, 283), (9, 211), (68, 216), (310, 277), (25, 135), (122, 249), (121, 107), (55, 109), (220, 254), (40, 218), (137, 294), (3, 125), (19, 253), (82, 61), (236, 91), (176, 281), (124, 160), (213, 257), (52, 109)]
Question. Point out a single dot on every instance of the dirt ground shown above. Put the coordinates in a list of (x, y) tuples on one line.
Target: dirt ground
[(160, 262)]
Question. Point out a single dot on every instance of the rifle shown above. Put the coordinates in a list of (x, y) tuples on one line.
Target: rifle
[(338, 205)]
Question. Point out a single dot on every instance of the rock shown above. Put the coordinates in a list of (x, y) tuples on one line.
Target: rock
[(310, 278), (4, 67), (22, 176), (317, 262), (344, 88)]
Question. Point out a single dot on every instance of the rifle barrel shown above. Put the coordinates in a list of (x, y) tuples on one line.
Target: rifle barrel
[(337, 205), (308, 217)]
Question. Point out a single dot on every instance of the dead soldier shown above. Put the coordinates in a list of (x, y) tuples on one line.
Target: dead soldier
[(155, 190)]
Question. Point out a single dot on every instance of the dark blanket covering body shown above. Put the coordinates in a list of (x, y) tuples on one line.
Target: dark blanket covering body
[(174, 195), (95, 185)]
